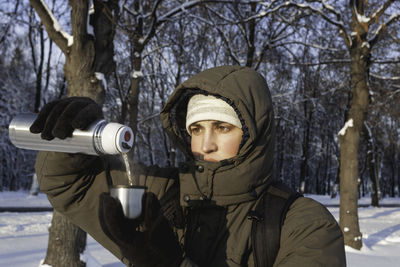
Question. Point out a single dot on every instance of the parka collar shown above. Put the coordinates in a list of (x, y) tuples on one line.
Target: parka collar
[(243, 177)]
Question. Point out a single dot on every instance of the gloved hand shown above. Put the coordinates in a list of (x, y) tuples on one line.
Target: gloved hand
[(155, 246), (60, 118)]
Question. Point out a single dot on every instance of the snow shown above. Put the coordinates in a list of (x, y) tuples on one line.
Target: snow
[(89, 28), (365, 44), (394, 16), (28, 234), (57, 26), (362, 18), (137, 74), (100, 76), (262, 13), (348, 124), (380, 228), (327, 6)]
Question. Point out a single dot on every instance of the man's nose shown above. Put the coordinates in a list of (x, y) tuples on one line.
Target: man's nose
[(209, 143)]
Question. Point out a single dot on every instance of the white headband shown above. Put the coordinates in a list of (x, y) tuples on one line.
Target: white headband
[(207, 107)]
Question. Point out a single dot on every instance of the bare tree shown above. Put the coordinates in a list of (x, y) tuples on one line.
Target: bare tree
[(88, 52), (142, 20), (251, 30), (360, 34)]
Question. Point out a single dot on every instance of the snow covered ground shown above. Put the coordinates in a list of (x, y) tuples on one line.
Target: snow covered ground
[(24, 236)]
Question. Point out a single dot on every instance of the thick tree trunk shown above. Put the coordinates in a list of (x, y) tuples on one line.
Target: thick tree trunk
[(66, 243), (88, 61), (349, 139)]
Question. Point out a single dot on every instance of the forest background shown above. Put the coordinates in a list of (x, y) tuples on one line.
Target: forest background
[(333, 68)]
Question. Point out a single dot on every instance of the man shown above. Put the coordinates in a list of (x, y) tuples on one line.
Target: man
[(197, 214)]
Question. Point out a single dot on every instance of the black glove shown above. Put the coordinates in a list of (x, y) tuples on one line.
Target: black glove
[(155, 246), (60, 118)]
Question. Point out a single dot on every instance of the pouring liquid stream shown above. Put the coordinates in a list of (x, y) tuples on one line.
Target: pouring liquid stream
[(131, 180)]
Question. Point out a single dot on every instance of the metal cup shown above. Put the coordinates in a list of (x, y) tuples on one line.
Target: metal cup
[(130, 198)]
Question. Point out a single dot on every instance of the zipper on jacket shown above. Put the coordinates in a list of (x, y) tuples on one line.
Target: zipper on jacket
[(256, 220)]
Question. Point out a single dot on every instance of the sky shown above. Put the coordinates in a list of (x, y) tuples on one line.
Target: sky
[(24, 235)]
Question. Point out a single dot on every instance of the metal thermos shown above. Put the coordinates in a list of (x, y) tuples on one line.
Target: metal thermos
[(100, 138)]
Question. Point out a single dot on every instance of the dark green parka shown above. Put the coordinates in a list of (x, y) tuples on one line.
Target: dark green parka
[(214, 197)]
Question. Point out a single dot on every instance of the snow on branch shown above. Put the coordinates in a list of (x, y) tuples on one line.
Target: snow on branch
[(393, 18), (53, 27), (221, 16), (395, 78), (379, 31), (347, 125), (100, 76), (158, 20), (338, 61), (324, 11), (179, 9), (377, 14), (137, 74), (313, 45), (320, 11), (361, 18), (388, 61)]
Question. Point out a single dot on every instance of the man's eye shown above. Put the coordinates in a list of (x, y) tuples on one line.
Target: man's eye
[(223, 128), (195, 130)]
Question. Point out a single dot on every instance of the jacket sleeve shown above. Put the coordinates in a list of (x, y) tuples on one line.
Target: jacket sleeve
[(73, 183), (310, 237)]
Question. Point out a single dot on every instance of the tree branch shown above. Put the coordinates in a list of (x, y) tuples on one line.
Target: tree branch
[(379, 32), (375, 16), (338, 22), (339, 61), (79, 15), (393, 61), (395, 78), (53, 27)]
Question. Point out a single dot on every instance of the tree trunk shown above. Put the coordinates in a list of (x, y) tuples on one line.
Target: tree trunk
[(88, 61), (317, 185), (398, 177), (335, 187), (372, 167), (327, 173), (66, 243), (349, 139), (393, 170), (134, 92), (280, 150)]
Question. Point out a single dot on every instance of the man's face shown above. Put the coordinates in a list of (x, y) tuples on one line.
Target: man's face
[(215, 140)]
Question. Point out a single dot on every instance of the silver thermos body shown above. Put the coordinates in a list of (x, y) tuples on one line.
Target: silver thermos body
[(100, 138)]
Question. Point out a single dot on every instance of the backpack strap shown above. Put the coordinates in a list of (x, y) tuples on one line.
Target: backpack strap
[(268, 218)]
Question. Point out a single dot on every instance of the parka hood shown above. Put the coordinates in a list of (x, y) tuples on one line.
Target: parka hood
[(243, 177)]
